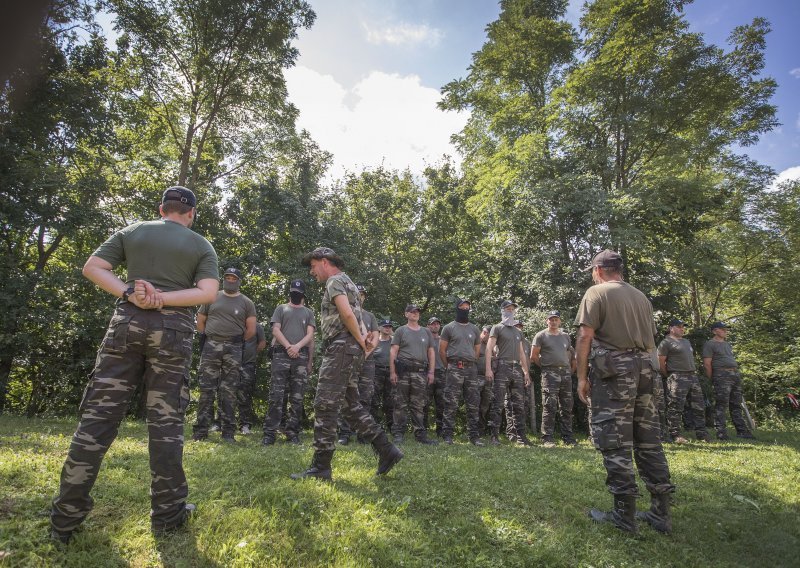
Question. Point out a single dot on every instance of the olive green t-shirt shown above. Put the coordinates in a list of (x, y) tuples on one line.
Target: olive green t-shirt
[(555, 350), (414, 344), (227, 315), (621, 316), (438, 364), (331, 323), (679, 354), (721, 354), (166, 254), (509, 339), (482, 359), (461, 340), (294, 321), (370, 321), (250, 352), (381, 353)]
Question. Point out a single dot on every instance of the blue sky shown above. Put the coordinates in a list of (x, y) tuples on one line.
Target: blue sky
[(369, 74)]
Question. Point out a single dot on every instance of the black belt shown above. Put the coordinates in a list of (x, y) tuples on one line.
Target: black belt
[(342, 335), (509, 362), (225, 338), (555, 367), (460, 363), (384, 367), (412, 366), (281, 349)]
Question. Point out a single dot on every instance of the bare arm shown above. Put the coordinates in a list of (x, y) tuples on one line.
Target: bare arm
[(707, 366), (349, 319), (431, 364), (443, 350), (393, 350), (536, 355), (250, 327), (582, 347), (489, 354), (201, 322), (523, 359)]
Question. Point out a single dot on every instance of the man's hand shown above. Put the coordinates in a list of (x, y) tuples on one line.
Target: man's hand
[(489, 375), (393, 378), (431, 376), (146, 296), (583, 390), (293, 352), (527, 381)]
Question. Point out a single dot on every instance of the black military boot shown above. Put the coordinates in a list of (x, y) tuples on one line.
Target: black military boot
[(623, 515), (388, 453), (658, 516), (320, 466)]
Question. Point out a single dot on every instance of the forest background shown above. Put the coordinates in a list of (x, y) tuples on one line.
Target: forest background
[(627, 131)]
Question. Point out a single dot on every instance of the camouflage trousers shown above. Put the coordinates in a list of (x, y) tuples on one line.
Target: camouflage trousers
[(486, 396), (435, 396), (337, 389), (220, 364), (244, 396), (623, 419), (728, 396), (289, 377), (366, 390), (557, 398), (462, 380), (140, 346), (660, 402), (683, 388), (508, 380), (410, 397), (382, 406)]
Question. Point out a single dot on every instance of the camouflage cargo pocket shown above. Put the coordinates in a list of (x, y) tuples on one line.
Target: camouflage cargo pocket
[(185, 395), (602, 363), (116, 338), (604, 431), (177, 337)]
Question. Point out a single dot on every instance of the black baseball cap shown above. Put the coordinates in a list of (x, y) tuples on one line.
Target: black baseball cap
[(385, 323), (718, 325), (518, 323), (361, 288), (179, 193), (412, 308), (297, 286), (434, 319), (323, 252), (553, 314), (460, 301), (677, 322), (234, 271), (507, 303), (606, 259)]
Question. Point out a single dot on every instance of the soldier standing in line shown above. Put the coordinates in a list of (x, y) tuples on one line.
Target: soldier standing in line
[(510, 378), (529, 413), (411, 369), (676, 362), (149, 340), (383, 396), (615, 322), (720, 365), (484, 385), (223, 325), (247, 379), (293, 328), (343, 350), (552, 351), (366, 378), (435, 391), (460, 347)]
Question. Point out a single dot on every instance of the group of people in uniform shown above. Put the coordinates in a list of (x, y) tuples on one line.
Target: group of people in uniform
[(373, 379)]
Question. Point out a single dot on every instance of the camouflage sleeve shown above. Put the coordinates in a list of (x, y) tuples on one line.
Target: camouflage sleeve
[(335, 287)]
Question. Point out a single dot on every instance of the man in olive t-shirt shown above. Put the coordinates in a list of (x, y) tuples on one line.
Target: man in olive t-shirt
[(721, 367), (383, 396), (247, 378), (435, 393), (224, 326), (170, 268)]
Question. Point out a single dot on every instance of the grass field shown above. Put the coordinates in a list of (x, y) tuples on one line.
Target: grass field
[(737, 504)]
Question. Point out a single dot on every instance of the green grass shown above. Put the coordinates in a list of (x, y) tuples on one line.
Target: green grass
[(737, 504)]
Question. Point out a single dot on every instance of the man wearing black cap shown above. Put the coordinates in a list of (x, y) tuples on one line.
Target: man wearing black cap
[(460, 347), (720, 365), (511, 376), (552, 351), (676, 361), (149, 341), (383, 397), (293, 328), (435, 391), (411, 366), (366, 378), (223, 326), (344, 345), (615, 323)]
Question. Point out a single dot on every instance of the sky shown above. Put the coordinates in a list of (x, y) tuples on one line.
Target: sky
[(370, 73)]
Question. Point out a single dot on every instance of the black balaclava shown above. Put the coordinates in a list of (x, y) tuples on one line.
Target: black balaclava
[(462, 316), (296, 297)]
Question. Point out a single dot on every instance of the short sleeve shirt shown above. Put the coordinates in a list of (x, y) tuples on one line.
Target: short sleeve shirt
[(555, 350), (381, 353), (331, 322), (250, 353), (414, 344), (720, 353), (370, 322), (294, 321), (679, 354), (461, 340), (166, 254), (228, 314), (509, 339), (621, 316)]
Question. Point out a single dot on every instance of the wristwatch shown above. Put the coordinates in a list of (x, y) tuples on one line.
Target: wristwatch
[(127, 293)]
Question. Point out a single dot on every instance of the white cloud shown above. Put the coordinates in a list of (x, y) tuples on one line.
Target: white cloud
[(795, 72), (403, 34), (384, 119), (788, 174)]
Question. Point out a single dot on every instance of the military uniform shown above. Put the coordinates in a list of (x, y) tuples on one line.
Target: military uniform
[(383, 392), (289, 375), (221, 361), (153, 347), (555, 356), (412, 379), (622, 378), (727, 384), (683, 385), (509, 379), (461, 377), (436, 391), (485, 392), (366, 378), (247, 378)]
